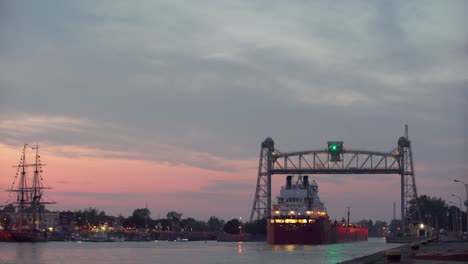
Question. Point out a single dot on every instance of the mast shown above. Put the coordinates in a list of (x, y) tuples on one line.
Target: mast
[(22, 188), (29, 202), (36, 192)]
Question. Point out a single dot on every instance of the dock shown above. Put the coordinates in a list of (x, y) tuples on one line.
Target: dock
[(431, 251)]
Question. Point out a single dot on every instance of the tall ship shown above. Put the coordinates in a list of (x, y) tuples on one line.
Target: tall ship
[(299, 217), (27, 207)]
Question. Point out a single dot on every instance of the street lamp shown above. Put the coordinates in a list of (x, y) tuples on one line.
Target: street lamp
[(459, 199), (466, 202), (240, 225)]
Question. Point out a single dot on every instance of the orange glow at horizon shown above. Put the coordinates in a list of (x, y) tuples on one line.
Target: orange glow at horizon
[(101, 176)]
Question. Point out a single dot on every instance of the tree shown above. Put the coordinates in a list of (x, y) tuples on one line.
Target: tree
[(174, 216), (214, 224), (367, 223), (232, 226), (163, 224), (141, 213), (88, 216), (139, 219), (120, 220), (373, 232), (191, 224), (256, 227), (433, 210), (378, 228), (103, 218), (452, 221)]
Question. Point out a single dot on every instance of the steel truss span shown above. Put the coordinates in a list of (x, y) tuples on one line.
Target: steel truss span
[(398, 161)]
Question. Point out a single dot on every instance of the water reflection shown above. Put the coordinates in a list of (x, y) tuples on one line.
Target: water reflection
[(334, 253), (287, 248), (290, 248), (27, 251), (184, 253)]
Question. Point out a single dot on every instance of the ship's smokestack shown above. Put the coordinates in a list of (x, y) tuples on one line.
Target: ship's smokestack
[(288, 182), (305, 181)]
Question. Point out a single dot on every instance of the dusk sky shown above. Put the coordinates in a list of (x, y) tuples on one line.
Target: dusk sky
[(168, 101)]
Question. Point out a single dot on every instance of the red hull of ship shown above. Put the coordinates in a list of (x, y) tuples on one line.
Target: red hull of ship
[(12, 236), (322, 231)]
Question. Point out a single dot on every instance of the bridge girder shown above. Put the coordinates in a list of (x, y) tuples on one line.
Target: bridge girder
[(334, 171), (352, 162)]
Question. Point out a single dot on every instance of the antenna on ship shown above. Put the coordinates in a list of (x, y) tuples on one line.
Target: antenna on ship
[(347, 221)]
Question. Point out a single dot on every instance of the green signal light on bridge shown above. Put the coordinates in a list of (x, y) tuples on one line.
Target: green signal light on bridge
[(335, 148)]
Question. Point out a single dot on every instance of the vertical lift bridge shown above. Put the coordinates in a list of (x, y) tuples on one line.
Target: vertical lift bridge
[(338, 160)]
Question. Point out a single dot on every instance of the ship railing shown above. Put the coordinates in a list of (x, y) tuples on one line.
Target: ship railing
[(350, 225)]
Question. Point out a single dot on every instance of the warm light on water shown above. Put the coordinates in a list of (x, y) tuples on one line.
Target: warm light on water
[(185, 252)]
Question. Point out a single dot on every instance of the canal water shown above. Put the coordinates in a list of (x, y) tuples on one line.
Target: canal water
[(183, 252)]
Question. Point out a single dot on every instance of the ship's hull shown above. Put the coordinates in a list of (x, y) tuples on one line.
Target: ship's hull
[(27, 237), (319, 231)]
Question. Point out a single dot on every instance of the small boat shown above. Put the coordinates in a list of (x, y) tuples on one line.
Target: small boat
[(116, 239), (97, 237), (102, 237)]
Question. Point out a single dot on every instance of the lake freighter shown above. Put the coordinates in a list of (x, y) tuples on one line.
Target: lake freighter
[(300, 217)]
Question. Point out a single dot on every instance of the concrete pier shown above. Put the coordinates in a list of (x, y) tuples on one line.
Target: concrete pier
[(429, 252)]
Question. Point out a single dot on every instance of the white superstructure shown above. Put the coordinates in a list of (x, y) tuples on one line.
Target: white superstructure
[(299, 197)]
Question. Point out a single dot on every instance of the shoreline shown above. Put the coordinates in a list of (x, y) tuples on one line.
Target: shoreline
[(372, 258), (428, 252)]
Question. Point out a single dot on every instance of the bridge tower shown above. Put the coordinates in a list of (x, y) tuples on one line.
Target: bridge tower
[(410, 213), (262, 200)]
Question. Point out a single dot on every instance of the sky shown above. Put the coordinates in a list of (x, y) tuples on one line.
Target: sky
[(167, 102)]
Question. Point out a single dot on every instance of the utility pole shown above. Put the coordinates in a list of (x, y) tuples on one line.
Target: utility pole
[(460, 209), (455, 218), (466, 202), (146, 218)]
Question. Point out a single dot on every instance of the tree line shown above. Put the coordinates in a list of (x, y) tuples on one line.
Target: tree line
[(141, 219), (434, 212)]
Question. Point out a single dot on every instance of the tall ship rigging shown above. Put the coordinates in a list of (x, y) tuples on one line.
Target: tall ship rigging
[(27, 190), (300, 217)]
